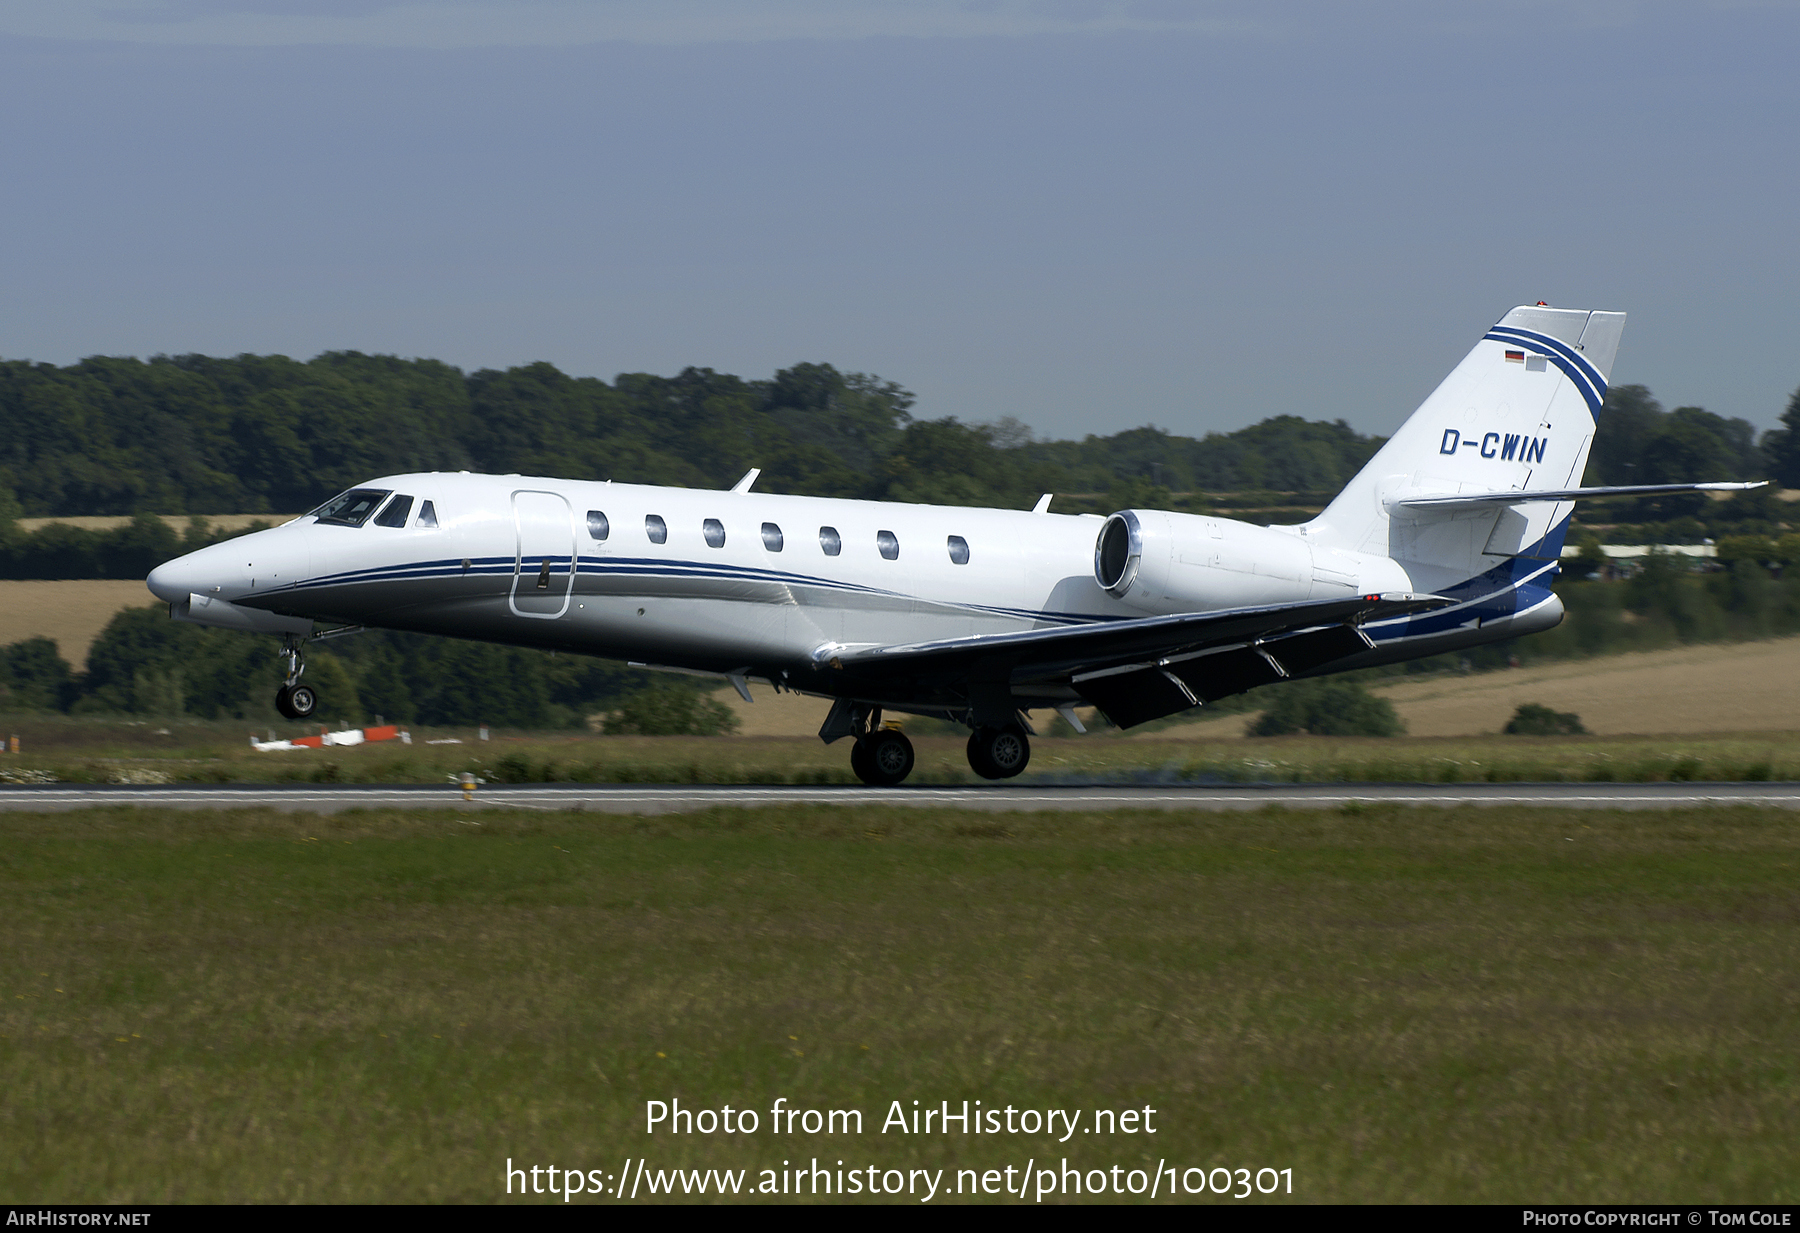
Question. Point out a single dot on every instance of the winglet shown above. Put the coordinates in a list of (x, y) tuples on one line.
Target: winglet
[(1043, 505), (743, 485)]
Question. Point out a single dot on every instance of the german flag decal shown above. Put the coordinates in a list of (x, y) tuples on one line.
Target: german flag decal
[(1515, 357)]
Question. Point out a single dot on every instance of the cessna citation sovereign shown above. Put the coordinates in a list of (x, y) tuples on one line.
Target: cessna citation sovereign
[(1448, 538)]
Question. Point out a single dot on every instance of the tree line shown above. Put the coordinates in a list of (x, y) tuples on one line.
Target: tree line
[(197, 435)]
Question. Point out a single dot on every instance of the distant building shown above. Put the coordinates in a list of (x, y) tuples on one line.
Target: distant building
[(1622, 559)]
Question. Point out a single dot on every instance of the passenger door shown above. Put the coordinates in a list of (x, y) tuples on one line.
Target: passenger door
[(543, 568)]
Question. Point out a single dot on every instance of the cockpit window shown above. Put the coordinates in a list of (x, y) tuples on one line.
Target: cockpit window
[(427, 515), (395, 513), (353, 508)]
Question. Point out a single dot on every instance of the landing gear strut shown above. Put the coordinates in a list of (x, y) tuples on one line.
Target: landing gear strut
[(999, 753), (881, 757), (294, 700)]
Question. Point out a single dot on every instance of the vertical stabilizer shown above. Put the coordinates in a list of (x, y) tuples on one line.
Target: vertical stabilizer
[(1517, 414)]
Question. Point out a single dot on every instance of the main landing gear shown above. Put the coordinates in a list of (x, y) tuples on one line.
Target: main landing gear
[(294, 700), (882, 757), (999, 753)]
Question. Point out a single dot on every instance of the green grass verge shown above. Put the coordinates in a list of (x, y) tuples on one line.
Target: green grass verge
[(1399, 1005), (89, 751)]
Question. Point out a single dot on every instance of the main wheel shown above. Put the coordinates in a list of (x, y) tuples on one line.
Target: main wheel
[(296, 701), (999, 753), (886, 758)]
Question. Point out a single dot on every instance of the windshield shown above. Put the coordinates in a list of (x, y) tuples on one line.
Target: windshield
[(395, 513), (353, 508)]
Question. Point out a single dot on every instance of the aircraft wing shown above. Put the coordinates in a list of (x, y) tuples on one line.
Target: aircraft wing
[(1133, 670)]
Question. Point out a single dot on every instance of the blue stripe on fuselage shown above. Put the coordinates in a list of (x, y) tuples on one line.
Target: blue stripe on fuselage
[(646, 568)]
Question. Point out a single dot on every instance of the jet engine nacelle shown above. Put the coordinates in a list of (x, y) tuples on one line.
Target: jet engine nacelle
[(1162, 562)]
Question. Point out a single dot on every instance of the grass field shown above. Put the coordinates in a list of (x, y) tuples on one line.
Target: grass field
[(70, 613), (1397, 1005), (1715, 688)]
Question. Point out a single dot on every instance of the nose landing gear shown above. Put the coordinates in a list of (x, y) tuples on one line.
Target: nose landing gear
[(294, 700)]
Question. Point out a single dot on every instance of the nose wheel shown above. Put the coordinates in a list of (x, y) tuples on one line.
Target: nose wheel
[(999, 753), (294, 700)]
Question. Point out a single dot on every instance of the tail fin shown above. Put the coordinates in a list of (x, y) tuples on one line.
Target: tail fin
[(1517, 414)]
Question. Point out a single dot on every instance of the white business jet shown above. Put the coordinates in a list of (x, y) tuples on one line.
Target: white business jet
[(1448, 538)]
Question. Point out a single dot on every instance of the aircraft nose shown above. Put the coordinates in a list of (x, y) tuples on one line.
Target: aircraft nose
[(173, 581), (234, 569)]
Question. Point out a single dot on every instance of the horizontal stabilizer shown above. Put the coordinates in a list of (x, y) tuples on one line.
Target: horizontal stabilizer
[(1472, 500)]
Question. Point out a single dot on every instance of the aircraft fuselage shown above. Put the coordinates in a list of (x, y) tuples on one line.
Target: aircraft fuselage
[(754, 584)]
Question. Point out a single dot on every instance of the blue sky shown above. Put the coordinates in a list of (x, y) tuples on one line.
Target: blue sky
[(1087, 215)]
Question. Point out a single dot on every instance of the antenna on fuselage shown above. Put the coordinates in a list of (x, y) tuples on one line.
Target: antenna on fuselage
[(743, 485), (1043, 505)]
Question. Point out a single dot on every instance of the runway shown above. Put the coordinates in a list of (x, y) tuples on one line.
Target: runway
[(664, 799)]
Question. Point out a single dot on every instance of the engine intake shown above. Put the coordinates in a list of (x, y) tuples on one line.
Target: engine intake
[(1117, 552)]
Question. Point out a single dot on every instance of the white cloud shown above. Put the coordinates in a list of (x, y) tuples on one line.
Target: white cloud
[(541, 23)]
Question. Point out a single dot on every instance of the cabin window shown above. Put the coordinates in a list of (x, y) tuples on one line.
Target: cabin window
[(353, 508), (396, 513), (889, 544), (598, 526), (771, 537), (829, 541), (427, 515), (714, 530), (656, 528), (959, 550)]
